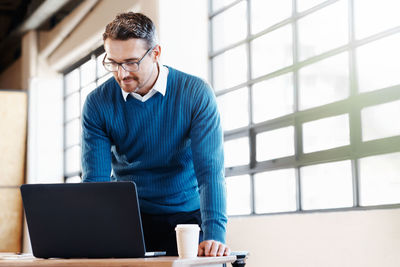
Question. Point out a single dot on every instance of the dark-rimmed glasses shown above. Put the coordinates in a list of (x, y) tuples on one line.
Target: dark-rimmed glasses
[(132, 66)]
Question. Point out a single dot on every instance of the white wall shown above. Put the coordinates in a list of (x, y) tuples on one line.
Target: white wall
[(184, 35), (45, 127), (365, 238)]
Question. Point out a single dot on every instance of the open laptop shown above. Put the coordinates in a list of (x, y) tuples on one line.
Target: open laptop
[(84, 220)]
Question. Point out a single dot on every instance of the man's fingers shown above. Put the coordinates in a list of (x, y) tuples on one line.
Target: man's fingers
[(213, 249), (227, 251), (206, 246), (221, 250), (200, 251)]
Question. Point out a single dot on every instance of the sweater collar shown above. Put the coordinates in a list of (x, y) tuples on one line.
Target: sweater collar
[(159, 86)]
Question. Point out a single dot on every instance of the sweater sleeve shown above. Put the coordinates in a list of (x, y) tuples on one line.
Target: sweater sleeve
[(96, 146), (208, 159)]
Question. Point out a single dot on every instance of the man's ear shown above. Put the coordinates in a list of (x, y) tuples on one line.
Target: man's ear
[(156, 53)]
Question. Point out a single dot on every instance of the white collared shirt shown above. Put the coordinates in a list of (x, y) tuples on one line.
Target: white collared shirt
[(160, 86)]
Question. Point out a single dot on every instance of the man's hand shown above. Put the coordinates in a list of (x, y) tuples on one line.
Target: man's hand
[(212, 248)]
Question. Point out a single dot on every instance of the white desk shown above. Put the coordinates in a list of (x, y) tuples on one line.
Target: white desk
[(24, 260)]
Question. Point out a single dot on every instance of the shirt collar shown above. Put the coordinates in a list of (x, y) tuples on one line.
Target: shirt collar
[(160, 84)]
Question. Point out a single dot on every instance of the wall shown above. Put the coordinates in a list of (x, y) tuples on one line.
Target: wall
[(365, 238), (10, 78), (87, 36), (184, 36)]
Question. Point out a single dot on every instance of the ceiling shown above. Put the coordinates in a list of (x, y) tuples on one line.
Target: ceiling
[(19, 16)]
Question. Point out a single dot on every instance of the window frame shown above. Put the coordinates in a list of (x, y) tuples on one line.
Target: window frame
[(93, 55), (352, 106)]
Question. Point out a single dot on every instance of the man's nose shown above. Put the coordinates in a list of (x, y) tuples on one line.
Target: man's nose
[(122, 73)]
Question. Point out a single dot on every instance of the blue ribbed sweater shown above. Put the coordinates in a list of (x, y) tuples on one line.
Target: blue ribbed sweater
[(171, 146)]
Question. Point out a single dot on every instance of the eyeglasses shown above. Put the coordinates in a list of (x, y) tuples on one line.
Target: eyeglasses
[(132, 66)]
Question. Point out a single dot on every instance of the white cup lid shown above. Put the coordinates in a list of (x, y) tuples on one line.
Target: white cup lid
[(187, 227)]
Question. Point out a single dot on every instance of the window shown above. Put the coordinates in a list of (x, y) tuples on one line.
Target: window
[(239, 201), (79, 81), (309, 95), (275, 191)]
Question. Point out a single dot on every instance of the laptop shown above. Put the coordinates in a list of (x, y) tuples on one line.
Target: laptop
[(84, 220)]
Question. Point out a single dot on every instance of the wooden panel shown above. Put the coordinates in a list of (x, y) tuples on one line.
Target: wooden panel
[(10, 220), (13, 116)]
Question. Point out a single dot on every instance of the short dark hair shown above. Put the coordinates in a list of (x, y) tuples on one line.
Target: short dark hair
[(131, 25)]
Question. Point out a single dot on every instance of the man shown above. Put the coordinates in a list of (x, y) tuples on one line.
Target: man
[(160, 128)]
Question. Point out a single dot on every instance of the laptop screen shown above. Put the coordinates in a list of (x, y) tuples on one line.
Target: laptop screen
[(89, 220)]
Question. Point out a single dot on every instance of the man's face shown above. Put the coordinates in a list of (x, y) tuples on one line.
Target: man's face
[(129, 51)]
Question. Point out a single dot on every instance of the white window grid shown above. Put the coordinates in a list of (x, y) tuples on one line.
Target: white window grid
[(352, 106), (99, 76)]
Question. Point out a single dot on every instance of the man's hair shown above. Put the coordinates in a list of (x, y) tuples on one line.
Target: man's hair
[(131, 25)]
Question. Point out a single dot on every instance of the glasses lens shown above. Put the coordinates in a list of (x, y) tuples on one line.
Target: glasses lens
[(110, 66), (131, 66)]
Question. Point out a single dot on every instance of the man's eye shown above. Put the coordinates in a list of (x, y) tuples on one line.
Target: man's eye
[(130, 64)]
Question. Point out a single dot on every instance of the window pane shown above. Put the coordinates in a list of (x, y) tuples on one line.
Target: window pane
[(72, 133), (238, 195), (378, 64), (275, 144), (73, 160), (217, 4), (275, 191), (73, 179), (104, 78), (72, 107), (229, 26), (380, 179), (267, 13), (385, 14), (88, 72), (307, 4), (326, 133), (324, 82), (230, 68), (328, 185), (72, 82), (101, 71), (237, 152), (234, 109), (85, 91), (272, 51), (273, 98), (323, 30), (380, 121)]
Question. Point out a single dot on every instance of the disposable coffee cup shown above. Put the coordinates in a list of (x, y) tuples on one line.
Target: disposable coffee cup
[(187, 239)]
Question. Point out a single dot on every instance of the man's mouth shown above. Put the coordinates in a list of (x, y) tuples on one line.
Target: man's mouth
[(128, 80)]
